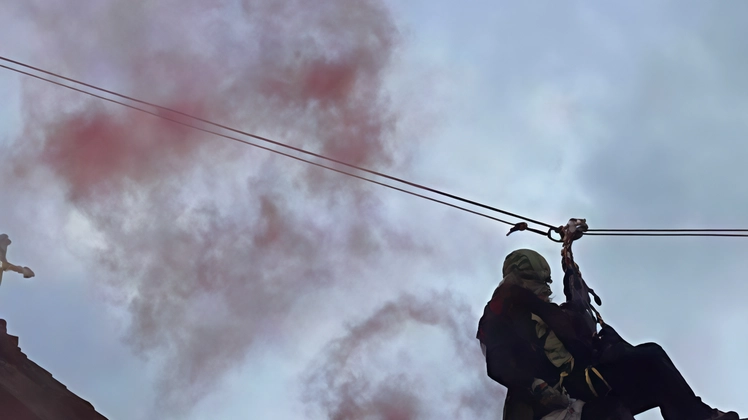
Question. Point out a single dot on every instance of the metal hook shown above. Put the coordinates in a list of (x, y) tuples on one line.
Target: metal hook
[(557, 230)]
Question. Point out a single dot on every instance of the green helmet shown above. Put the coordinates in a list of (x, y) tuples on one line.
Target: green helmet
[(528, 269)]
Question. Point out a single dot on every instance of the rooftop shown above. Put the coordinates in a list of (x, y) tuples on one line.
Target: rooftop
[(29, 392)]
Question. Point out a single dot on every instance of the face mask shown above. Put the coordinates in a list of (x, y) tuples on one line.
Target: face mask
[(541, 289)]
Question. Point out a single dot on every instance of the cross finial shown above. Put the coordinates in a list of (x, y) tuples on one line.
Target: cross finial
[(5, 265)]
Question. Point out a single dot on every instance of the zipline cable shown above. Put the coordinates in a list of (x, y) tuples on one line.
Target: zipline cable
[(734, 235), (265, 139), (263, 147), (667, 230), (591, 232)]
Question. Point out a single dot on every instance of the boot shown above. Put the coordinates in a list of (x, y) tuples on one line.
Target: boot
[(721, 415)]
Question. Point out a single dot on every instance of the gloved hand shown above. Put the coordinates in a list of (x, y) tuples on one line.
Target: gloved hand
[(549, 396)]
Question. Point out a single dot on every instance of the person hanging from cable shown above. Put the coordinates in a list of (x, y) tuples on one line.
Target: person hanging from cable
[(553, 366)]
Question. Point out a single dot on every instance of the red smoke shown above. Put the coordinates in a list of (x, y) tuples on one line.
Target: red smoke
[(97, 153), (213, 244), (347, 383)]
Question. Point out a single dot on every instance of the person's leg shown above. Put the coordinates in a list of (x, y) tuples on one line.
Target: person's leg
[(645, 377)]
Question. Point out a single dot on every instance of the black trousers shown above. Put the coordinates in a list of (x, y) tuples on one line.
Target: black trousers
[(641, 377), (606, 408)]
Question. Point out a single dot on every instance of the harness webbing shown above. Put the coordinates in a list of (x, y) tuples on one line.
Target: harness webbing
[(589, 382), (578, 293), (575, 288)]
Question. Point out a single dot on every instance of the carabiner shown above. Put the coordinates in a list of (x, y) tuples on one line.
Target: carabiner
[(557, 230)]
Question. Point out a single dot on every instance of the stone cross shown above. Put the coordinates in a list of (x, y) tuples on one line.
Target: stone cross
[(5, 265)]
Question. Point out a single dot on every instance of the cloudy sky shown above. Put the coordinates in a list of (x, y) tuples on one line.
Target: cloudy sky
[(181, 275)]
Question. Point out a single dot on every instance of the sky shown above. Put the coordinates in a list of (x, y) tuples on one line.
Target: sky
[(180, 275)]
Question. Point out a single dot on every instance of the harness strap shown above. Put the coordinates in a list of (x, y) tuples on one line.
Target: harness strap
[(589, 382), (564, 374)]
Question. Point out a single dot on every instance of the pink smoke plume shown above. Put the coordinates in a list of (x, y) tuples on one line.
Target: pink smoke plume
[(209, 244), (347, 382)]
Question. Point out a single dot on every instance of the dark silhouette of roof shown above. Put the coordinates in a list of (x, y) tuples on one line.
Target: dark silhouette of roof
[(29, 392)]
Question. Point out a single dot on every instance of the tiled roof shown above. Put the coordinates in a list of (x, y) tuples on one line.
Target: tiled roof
[(29, 392)]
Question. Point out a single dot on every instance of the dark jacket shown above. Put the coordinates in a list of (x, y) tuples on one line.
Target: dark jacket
[(515, 356)]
